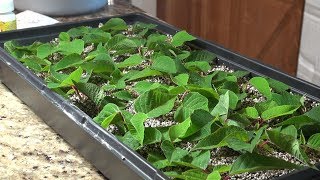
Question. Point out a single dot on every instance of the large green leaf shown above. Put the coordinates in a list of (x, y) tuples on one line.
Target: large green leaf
[(151, 136), (286, 98), (199, 118), (102, 63), (164, 64), (73, 77), (201, 55), (288, 143), (45, 50), (238, 144), (314, 142), (181, 37), (172, 153), (277, 111), (277, 85), (110, 113), (94, 92), (114, 24), (74, 47), (155, 102), (203, 66), (262, 85), (191, 102), (220, 137), (181, 79), (255, 162), (251, 112), (147, 72), (201, 159), (137, 128), (194, 174), (131, 61), (298, 121), (68, 61), (130, 141), (144, 86), (222, 108), (314, 113), (215, 175)]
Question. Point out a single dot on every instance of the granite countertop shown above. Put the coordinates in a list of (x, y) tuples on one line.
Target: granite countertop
[(30, 149)]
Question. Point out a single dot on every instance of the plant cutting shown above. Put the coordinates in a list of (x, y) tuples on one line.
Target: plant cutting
[(170, 102)]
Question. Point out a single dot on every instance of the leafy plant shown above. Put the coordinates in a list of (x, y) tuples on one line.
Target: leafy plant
[(169, 102)]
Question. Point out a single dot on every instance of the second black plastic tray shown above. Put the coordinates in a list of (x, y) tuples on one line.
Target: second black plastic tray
[(102, 149)]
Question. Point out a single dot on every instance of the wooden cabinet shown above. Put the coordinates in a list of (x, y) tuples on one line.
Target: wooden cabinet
[(268, 30)]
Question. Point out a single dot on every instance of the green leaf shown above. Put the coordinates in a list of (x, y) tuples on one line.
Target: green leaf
[(201, 55), (298, 121), (94, 92), (277, 85), (172, 153), (181, 37), (314, 142), (203, 66), (238, 144), (194, 174), (155, 102), (278, 111), (263, 106), (114, 24), (251, 112), (190, 103), (123, 95), (44, 50), (262, 85), (221, 109), (74, 47), (96, 36), (147, 72), (288, 143), (255, 162), (199, 119), (151, 136), (68, 61), (64, 36), (286, 98), (181, 79), (137, 122), (202, 159), (209, 93), (130, 141), (220, 137), (233, 100), (73, 77), (314, 113), (144, 86), (108, 115), (179, 130), (102, 63), (215, 175), (131, 61), (164, 64)]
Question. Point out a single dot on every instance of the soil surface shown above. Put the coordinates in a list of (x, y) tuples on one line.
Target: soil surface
[(29, 149)]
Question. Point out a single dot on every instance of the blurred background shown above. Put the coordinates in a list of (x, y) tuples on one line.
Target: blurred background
[(281, 33)]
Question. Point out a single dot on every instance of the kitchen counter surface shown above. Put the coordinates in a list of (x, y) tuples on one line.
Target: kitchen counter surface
[(30, 149)]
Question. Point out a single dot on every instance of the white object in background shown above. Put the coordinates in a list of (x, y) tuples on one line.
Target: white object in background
[(7, 17), (150, 6), (309, 57), (27, 19)]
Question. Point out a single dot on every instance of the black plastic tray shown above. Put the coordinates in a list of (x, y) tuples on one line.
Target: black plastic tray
[(102, 149)]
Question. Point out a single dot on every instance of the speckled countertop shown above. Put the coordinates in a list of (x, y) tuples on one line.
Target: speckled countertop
[(29, 149)]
